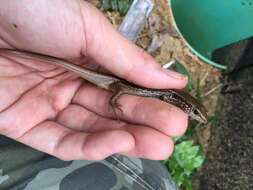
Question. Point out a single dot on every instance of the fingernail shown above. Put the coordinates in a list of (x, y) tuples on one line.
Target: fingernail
[(175, 74)]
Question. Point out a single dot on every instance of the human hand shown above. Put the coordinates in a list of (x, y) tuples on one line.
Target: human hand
[(58, 113)]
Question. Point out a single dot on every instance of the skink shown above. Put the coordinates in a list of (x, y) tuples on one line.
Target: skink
[(119, 86)]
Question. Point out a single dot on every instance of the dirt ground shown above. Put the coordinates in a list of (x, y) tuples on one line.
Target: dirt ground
[(162, 41)]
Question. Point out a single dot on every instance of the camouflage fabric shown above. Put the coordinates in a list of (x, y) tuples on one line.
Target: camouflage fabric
[(23, 168)]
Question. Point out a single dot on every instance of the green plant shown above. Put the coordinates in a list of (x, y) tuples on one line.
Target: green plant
[(181, 69), (184, 160), (117, 5)]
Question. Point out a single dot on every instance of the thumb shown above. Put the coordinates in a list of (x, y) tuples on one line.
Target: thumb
[(120, 56)]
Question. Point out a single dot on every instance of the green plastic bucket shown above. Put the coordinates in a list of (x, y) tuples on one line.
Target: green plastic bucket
[(207, 25)]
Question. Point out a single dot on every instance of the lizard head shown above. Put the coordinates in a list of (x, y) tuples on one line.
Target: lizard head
[(188, 104), (198, 112)]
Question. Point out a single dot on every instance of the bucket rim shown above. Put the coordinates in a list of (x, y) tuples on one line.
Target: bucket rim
[(203, 58)]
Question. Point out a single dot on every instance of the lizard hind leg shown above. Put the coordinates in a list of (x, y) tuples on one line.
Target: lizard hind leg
[(115, 105)]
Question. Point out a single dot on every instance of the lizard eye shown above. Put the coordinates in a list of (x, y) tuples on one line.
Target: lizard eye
[(195, 112)]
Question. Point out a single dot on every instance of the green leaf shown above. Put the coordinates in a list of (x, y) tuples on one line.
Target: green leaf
[(189, 132), (187, 182), (106, 4), (172, 163), (117, 5), (198, 90), (212, 118), (123, 6), (175, 139), (183, 70), (198, 161), (184, 160), (114, 4), (178, 178)]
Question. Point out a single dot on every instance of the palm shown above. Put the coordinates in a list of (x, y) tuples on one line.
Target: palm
[(33, 92)]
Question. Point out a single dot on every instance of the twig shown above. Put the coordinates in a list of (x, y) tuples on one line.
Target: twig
[(212, 90), (204, 78)]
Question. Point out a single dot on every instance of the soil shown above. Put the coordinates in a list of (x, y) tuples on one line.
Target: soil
[(229, 157)]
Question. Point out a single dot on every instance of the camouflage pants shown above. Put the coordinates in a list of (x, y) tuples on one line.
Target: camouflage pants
[(23, 168)]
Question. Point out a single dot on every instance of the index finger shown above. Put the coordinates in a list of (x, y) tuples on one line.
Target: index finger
[(117, 54)]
